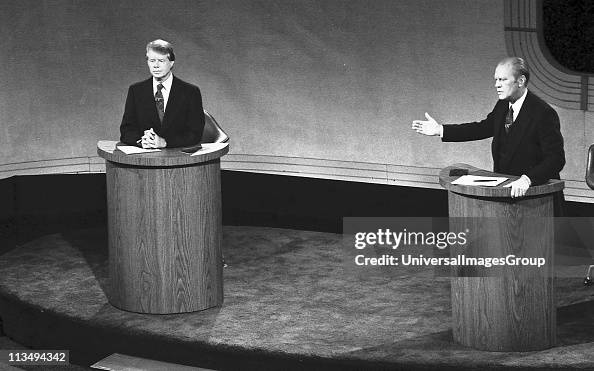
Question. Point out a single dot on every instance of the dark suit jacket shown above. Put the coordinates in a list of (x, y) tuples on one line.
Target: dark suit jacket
[(535, 142), (183, 122)]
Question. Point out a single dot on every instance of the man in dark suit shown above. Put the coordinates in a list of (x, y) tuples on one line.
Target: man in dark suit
[(162, 111), (527, 140)]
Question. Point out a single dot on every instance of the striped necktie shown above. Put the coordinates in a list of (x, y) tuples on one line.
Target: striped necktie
[(160, 102), (509, 119)]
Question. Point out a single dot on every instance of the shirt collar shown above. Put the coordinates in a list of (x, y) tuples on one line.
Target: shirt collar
[(517, 105), (166, 83)]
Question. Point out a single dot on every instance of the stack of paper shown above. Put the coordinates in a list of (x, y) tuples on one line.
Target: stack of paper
[(131, 150)]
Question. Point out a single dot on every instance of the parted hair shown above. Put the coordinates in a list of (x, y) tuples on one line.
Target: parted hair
[(161, 47)]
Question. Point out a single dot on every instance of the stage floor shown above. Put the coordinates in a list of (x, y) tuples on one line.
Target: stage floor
[(293, 300)]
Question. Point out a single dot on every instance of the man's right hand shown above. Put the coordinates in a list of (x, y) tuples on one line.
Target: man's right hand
[(148, 139), (427, 127)]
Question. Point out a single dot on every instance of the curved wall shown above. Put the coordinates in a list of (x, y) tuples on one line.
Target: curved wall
[(311, 88)]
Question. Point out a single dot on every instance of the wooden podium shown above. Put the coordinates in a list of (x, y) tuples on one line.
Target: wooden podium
[(164, 230), (508, 307)]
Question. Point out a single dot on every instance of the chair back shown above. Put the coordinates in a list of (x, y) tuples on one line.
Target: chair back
[(590, 168), (212, 131)]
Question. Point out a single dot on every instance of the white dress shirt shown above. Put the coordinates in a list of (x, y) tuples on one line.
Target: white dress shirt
[(517, 105)]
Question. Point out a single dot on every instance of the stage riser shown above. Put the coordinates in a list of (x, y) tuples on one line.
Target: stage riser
[(36, 205)]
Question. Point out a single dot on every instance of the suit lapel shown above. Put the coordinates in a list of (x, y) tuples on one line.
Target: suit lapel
[(500, 121), (173, 102), (149, 102), (497, 127), (519, 127)]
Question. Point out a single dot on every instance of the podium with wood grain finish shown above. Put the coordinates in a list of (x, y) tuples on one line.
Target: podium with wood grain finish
[(164, 230), (507, 307)]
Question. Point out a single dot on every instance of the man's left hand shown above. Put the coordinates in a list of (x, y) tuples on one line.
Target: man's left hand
[(152, 140), (160, 142), (519, 187)]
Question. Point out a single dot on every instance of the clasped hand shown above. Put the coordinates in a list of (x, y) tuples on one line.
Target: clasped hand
[(150, 139)]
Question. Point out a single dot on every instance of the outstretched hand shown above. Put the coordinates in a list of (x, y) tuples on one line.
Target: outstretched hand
[(427, 127)]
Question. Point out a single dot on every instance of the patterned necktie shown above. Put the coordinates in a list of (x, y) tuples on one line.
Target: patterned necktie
[(160, 102), (509, 119)]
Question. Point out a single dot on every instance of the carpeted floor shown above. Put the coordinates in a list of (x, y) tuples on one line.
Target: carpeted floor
[(293, 299)]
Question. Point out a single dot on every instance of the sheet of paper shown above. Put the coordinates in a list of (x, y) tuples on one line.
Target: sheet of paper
[(107, 145), (209, 147), (477, 180), (131, 150)]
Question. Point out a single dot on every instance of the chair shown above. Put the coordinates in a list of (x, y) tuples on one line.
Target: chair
[(212, 131), (590, 182)]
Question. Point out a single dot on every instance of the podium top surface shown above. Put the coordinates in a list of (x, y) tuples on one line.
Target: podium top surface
[(165, 157), (552, 186)]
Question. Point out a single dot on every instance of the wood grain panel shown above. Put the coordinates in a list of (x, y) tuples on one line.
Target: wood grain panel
[(164, 226), (505, 308)]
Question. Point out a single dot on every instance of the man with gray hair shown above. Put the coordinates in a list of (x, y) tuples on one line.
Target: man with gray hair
[(527, 140), (162, 111)]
